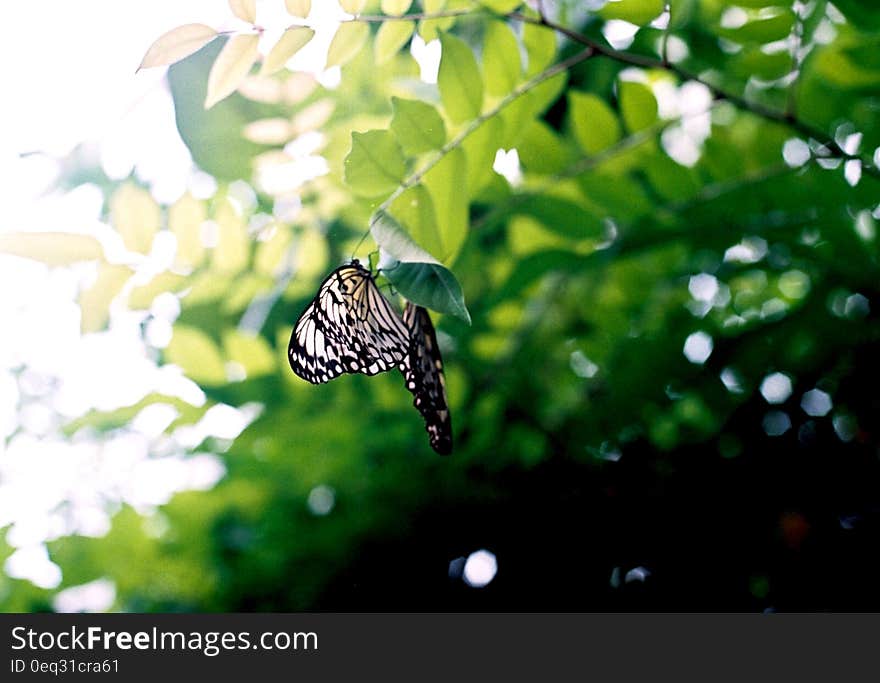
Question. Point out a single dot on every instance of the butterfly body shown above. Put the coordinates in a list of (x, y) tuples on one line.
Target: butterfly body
[(348, 327)]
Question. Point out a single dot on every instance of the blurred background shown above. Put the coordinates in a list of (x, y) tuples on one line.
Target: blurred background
[(667, 399)]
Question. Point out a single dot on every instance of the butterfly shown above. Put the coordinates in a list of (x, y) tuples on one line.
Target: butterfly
[(349, 327), (423, 373)]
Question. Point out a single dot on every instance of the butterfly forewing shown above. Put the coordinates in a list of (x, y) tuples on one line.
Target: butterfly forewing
[(423, 373), (349, 327)]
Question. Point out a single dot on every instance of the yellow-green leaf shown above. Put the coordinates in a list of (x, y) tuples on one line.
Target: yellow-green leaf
[(230, 68), (291, 42), (353, 6), (594, 124), (246, 10), (250, 351), (447, 183), (395, 7), (428, 29), (136, 217), (461, 88), (417, 125), (347, 42), (185, 219), (176, 44), (502, 65), (763, 30), (414, 209), (392, 36), (540, 47), (197, 355), (375, 164), (480, 148), (94, 302), (541, 150), (639, 12), (51, 248), (233, 245), (298, 8), (637, 105)]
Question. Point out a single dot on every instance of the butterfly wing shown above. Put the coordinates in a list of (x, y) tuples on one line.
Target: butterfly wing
[(349, 327), (423, 373)]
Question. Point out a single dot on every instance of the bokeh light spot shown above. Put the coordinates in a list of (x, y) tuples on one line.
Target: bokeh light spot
[(480, 568), (776, 388)]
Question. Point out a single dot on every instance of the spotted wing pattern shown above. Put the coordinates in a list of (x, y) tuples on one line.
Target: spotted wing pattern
[(349, 327), (423, 372)]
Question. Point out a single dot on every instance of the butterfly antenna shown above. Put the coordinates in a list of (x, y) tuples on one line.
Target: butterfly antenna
[(361, 241)]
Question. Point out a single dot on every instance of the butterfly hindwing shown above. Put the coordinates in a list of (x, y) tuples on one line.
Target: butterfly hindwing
[(423, 373), (349, 327)]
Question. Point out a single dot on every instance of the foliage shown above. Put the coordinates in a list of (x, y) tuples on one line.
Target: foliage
[(712, 187)]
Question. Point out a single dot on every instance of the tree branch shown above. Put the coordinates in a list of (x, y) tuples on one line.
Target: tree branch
[(786, 118)]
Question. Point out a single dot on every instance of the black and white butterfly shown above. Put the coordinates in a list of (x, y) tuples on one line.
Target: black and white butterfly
[(349, 327), (423, 372)]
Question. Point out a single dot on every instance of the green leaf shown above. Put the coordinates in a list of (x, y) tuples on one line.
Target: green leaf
[(197, 355), (392, 36), (639, 12), (540, 47), (447, 184), (51, 248), (375, 164), (594, 124), (417, 125), (763, 30), (520, 113), (418, 275), (480, 148), (541, 150), (430, 285), (415, 210), (461, 88), (561, 216), (754, 61), (637, 105), (502, 65), (347, 42)]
